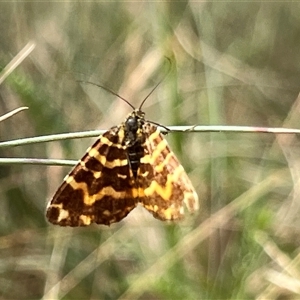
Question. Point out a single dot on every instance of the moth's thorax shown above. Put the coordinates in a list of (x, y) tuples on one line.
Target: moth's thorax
[(133, 128)]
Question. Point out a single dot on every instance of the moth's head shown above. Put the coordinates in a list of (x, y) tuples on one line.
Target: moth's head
[(134, 121)]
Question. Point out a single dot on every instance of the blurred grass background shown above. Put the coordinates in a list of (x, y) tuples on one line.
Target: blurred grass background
[(235, 63)]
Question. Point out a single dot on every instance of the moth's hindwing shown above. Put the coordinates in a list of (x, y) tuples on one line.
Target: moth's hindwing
[(127, 165)]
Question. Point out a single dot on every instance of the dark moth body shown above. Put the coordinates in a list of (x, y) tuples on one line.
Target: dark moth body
[(129, 164), (134, 140)]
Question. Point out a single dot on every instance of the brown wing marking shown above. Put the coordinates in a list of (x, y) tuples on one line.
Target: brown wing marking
[(164, 186), (100, 188)]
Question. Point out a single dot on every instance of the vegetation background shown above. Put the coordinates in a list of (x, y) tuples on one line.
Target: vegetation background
[(234, 63)]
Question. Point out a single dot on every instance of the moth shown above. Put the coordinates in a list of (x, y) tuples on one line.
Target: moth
[(129, 164)]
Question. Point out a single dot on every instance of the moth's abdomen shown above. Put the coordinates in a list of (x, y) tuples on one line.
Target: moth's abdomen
[(135, 153)]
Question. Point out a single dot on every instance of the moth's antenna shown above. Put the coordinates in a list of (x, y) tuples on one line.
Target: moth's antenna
[(114, 93), (167, 73), (108, 90)]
